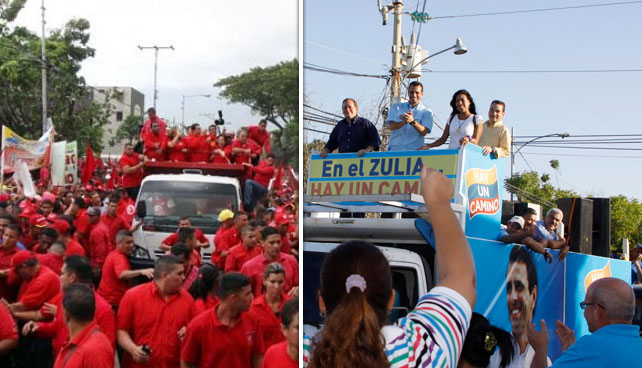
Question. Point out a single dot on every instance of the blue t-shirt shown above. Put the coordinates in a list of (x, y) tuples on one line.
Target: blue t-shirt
[(542, 234), (408, 138), (610, 346)]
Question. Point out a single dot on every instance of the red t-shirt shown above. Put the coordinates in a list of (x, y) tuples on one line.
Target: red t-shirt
[(260, 136), (90, 348), (51, 260), (134, 179), (263, 173), (209, 343), (127, 209), (173, 238), (147, 127), (115, 224), (176, 153), (73, 248), (224, 239), (8, 328), (150, 319), (201, 305), (270, 323), (199, 149), (238, 255), (149, 145), (111, 287), (240, 158), (254, 270), (57, 331), (81, 222), (6, 256), (277, 356), (35, 292), (99, 245)]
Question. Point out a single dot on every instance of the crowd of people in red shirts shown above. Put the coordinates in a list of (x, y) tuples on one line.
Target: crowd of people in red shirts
[(72, 297)]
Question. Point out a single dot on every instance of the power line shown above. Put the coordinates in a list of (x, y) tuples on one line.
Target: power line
[(572, 155), (323, 111), (316, 131), (586, 148), (318, 68), (534, 71), (583, 135), (535, 10)]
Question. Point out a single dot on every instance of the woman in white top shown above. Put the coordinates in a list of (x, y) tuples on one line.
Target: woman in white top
[(464, 125)]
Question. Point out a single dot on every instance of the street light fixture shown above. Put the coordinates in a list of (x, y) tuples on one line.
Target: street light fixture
[(183, 106), (459, 47), (512, 156)]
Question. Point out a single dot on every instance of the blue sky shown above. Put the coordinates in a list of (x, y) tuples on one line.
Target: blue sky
[(349, 36)]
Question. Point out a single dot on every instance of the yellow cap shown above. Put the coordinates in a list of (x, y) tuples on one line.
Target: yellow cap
[(225, 215)]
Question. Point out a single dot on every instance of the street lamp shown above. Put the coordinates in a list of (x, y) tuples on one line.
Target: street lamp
[(183, 106), (512, 156), (459, 47)]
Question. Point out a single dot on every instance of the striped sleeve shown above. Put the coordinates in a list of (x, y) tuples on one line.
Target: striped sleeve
[(306, 350), (434, 331)]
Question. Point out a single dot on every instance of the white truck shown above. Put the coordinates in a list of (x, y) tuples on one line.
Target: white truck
[(187, 190)]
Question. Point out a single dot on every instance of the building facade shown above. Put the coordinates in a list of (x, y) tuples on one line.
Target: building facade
[(125, 102)]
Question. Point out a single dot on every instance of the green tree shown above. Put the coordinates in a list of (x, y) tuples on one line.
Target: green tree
[(75, 115), (626, 221), (531, 187), (272, 92), (128, 130)]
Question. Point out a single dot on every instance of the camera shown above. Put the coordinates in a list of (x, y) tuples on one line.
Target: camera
[(220, 120)]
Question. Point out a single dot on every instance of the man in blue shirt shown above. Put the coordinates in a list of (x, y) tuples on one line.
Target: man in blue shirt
[(546, 232), (608, 307), (353, 133), (409, 121)]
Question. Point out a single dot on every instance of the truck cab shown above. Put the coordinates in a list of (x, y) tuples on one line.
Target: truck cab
[(166, 197)]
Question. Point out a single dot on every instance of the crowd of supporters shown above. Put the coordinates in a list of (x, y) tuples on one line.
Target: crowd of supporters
[(73, 296)]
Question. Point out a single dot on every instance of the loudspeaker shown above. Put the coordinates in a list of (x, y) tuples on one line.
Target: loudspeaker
[(601, 227), (508, 211), (578, 222)]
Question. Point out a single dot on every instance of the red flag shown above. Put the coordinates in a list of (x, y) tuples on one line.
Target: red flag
[(276, 185), (89, 166)]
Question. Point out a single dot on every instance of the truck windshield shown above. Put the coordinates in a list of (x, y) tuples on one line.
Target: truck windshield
[(194, 199)]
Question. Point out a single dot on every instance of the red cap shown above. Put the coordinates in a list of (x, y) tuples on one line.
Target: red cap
[(89, 188), (38, 220), (61, 226), (20, 258), (48, 196), (281, 219), (4, 197), (27, 212)]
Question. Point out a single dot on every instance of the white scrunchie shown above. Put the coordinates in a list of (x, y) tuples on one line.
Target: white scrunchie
[(355, 280)]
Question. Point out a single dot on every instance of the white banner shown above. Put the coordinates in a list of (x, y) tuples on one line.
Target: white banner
[(71, 163), (58, 160)]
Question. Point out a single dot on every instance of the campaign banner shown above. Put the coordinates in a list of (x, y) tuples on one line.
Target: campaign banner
[(480, 187), (376, 172), (71, 163), (516, 286), (58, 152), (18, 149)]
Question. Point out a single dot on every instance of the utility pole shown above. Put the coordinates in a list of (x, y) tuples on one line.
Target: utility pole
[(155, 48), (395, 71), (43, 58)]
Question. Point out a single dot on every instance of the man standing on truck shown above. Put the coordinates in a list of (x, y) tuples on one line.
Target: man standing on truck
[(353, 133), (147, 125), (495, 137), (260, 135), (547, 231), (409, 121), (256, 188), (154, 143), (132, 165)]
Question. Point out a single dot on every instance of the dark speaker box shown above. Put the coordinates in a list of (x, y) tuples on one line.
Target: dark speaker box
[(578, 222), (601, 227)]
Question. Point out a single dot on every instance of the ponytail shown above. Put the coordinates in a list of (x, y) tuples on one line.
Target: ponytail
[(351, 336), (481, 341), (356, 285)]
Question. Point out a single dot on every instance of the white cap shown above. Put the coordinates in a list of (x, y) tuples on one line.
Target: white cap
[(517, 219)]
